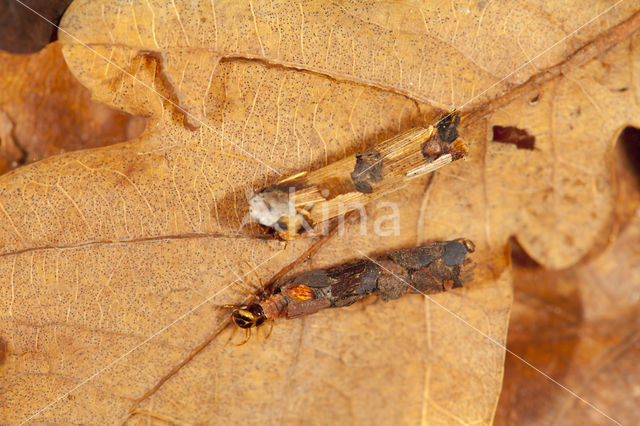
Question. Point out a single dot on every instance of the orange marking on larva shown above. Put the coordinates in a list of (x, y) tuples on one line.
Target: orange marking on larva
[(300, 292)]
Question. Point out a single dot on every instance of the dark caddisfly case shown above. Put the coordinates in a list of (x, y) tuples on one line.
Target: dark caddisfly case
[(428, 269)]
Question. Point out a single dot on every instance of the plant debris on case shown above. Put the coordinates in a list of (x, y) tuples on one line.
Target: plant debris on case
[(428, 269), (305, 199)]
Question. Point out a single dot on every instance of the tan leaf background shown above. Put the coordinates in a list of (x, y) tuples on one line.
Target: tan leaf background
[(114, 261)]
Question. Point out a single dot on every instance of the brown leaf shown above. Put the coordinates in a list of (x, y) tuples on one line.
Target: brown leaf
[(45, 111), (591, 348), (579, 326), (116, 259), (27, 26), (557, 199), (10, 153)]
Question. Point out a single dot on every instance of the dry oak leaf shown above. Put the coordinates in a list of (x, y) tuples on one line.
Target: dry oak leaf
[(110, 257), (45, 111), (22, 30), (581, 326), (558, 198)]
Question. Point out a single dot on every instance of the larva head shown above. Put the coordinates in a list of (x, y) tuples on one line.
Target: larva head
[(250, 316)]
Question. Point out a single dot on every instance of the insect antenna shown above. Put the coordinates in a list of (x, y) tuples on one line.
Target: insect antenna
[(245, 288), (260, 289)]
